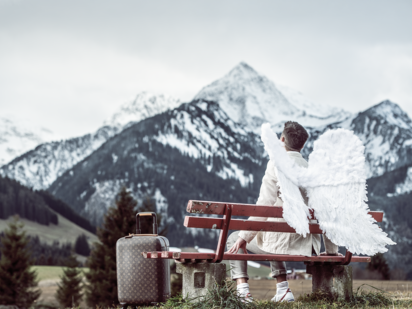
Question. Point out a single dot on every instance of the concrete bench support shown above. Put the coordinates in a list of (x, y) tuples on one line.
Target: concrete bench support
[(333, 280), (198, 278)]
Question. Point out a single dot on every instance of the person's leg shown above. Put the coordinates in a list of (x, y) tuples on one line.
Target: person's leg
[(238, 270), (278, 271)]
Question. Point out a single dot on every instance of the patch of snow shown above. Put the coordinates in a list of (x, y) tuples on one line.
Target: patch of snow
[(406, 185), (407, 143), (235, 172), (114, 157), (161, 203)]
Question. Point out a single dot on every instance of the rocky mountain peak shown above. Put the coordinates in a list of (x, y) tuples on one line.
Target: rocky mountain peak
[(251, 99), (242, 71), (18, 136), (143, 106), (391, 113)]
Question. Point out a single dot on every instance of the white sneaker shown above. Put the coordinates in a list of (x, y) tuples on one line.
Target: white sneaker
[(287, 297), (247, 299)]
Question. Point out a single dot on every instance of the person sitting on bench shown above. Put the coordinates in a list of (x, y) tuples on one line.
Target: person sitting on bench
[(294, 137)]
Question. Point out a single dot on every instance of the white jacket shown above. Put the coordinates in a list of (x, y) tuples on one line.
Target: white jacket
[(283, 243)]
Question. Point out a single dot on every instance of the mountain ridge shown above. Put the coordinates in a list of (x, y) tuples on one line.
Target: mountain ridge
[(202, 150), (39, 167), (249, 98)]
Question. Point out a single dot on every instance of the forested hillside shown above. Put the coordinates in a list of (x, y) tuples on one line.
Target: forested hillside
[(215, 152), (16, 199)]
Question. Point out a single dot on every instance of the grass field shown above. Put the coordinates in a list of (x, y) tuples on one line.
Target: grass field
[(49, 276), (65, 231), (266, 289)]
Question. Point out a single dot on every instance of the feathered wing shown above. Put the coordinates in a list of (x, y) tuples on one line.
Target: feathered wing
[(295, 211), (336, 186)]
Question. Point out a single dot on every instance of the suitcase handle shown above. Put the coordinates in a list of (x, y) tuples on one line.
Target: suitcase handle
[(143, 214)]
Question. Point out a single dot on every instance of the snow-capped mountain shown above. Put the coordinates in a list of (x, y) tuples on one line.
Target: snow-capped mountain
[(143, 106), (386, 131), (252, 99), (209, 149), (39, 167), (193, 151), (18, 136)]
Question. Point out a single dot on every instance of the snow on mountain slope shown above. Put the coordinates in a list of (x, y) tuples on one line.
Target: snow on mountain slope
[(17, 137), (145, 105), (314, 114), (252, 99), (39, 167), (405, 186), (195, 150), (386, 131)]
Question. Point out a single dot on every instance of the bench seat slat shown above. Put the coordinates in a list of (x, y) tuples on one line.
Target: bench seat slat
[(254, 257), (248, 210), (246, 225)]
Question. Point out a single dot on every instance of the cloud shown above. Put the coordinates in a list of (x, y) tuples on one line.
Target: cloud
[(70, 64)]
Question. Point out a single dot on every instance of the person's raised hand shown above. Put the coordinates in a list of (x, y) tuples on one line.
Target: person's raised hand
[(239, 244)]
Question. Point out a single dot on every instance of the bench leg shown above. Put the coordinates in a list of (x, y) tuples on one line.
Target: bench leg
[(333, 280), (343, 283), (198, 278)]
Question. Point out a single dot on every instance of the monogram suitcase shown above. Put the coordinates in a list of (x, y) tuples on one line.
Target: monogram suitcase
[(142, 281)]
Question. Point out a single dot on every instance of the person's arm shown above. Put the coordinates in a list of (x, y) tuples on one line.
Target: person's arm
[(267, 196)]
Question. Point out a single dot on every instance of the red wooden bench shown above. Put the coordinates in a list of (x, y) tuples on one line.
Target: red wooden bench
[(227, 223)]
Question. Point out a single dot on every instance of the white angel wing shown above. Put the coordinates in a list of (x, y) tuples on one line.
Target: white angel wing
[(295, 211), (336, 186)]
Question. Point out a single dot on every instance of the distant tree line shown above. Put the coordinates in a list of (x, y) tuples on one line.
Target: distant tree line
[(54, 254), (16, 199)]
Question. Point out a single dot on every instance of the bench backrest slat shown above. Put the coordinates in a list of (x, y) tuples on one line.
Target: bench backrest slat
[(217, 208), (246, 225)]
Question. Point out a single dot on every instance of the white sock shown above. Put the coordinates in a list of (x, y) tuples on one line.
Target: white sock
[(281, 288), (243, 289)]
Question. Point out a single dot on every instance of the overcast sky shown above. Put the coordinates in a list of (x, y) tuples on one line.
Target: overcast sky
[(68, 65)]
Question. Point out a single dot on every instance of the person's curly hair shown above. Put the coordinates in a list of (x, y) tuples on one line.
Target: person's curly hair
[(295, 136)]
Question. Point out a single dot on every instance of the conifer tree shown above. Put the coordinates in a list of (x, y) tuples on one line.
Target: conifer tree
[(119, 221), (16, 279), (81, 245), (69, 289)]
